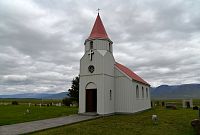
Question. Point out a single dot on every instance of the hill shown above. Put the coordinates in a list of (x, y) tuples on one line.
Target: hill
[(176, 91), (37, 95)]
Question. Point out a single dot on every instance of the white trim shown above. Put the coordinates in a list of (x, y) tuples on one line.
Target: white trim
[(102, 52)]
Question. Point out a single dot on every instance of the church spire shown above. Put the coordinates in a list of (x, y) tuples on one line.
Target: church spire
[(98, 30)]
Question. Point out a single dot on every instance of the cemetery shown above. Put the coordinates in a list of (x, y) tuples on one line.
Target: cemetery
[(157, 119), (169, 122), (31, 110)]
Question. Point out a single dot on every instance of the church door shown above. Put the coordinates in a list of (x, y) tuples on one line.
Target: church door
[(91, 100)]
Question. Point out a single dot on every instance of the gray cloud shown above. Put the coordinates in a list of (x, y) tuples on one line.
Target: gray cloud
[(41, 42)]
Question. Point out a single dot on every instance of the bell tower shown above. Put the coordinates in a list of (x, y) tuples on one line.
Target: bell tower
[(96, 90), (98, 32)]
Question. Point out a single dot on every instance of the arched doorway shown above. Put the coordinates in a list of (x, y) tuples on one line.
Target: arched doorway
[(91, 97)]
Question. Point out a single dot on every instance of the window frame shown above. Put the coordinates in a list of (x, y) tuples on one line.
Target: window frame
[(91, 45), (142, 92), (137, 92), (147, 93), (109, 47)]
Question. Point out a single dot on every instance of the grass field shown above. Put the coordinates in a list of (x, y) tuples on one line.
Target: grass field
[(26, 101), (11, 114), (171, 122)]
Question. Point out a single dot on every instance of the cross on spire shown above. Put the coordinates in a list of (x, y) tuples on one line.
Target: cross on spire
[(98, 10)]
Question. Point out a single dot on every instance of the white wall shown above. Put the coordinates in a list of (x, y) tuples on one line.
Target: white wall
[(109, 102), (98, 80), (103, 77), (126, 101)]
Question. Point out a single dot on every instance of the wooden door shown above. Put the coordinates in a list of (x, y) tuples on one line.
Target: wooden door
[(91, 100)]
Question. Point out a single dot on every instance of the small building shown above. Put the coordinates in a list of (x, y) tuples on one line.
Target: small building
[(106, 86), (187, 103)]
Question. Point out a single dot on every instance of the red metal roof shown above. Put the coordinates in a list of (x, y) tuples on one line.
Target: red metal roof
[(130, 73), (98, 30)]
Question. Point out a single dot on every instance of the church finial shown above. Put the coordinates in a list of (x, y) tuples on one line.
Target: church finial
[(98, 10)]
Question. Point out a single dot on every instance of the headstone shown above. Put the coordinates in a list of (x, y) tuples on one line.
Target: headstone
[(171, 106), (187, 103), (29, 104), (27, 111), (40, 104), (196, 125), (155, 119), (195, 108), (163, 104)]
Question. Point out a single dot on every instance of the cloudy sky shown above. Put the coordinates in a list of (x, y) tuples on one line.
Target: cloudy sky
[(42, 41)]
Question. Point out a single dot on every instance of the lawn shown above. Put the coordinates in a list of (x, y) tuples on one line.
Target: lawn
[(11, 114), (171, 122), (29, 100)]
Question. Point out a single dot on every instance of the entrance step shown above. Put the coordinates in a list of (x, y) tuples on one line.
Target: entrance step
[(89, 114)]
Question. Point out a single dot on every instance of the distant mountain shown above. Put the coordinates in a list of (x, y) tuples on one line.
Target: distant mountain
[(176, 91), (37, 95), (160, 92)]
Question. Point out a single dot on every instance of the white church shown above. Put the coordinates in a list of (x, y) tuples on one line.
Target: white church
[(106, 86)]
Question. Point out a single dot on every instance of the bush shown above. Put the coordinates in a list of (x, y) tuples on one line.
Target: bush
[(67, 101), (14, 103)]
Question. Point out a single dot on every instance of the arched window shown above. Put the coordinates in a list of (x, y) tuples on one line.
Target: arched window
[(91, 44), (147, 93), (142, 92), (109, 47), (137, 91)]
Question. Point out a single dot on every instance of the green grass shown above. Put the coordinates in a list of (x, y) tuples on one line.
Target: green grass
[(171, 122), (11, 114), (28, 100)]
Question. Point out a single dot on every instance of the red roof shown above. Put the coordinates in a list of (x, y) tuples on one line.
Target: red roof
[(98, 30), (130, 73)]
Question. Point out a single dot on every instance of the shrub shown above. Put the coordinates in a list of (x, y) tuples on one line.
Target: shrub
[(67, 101), (14, 103)]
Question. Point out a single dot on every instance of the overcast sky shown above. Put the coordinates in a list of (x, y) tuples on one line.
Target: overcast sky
[(42, 41)]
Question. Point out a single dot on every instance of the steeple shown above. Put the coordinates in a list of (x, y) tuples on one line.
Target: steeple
[(98, 30)]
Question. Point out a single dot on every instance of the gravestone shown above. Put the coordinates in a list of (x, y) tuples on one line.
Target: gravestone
[(171, 106), (187, 103), (195, 108), (163, 104), (196, 125)]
